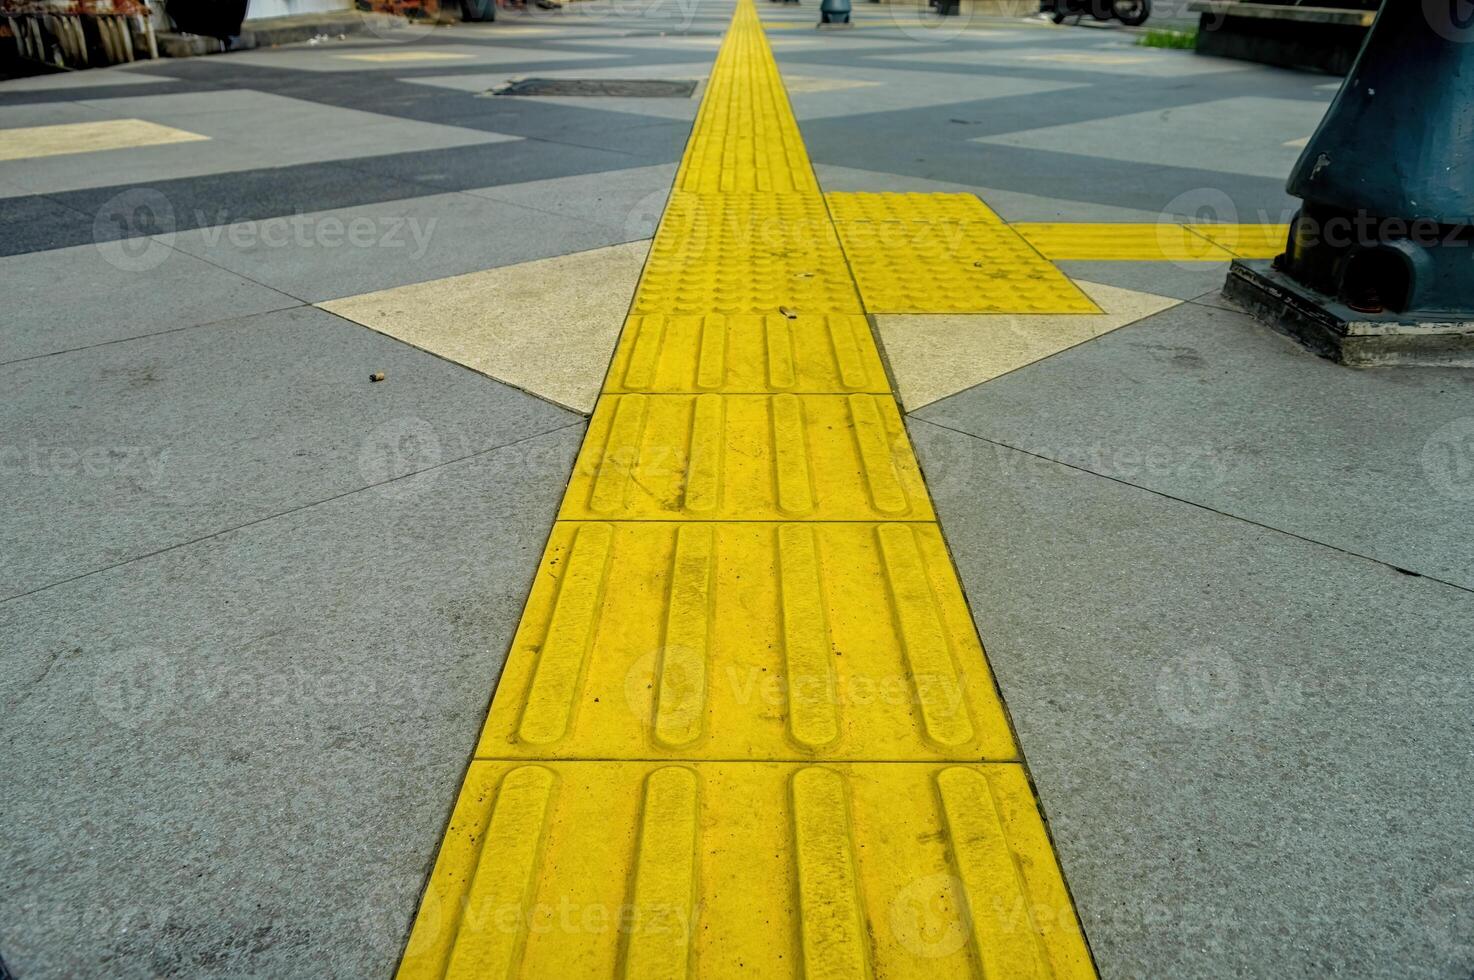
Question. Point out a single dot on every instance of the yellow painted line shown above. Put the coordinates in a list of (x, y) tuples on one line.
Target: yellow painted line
[(90, 137), (1161, 242), (403, 56), (747, 353), (745, 869), (746, 727), (1247, 241)]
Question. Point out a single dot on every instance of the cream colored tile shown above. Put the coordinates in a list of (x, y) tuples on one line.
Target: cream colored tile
[(87, 137), (936, 356), (547, 327)]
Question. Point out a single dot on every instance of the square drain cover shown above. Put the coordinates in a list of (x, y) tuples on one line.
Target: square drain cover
[(629, 88)]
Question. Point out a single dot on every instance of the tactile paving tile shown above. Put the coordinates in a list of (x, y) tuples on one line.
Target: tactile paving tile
[(1247, 241), (747, 640), (746, 253), (745, 137), (910, 206), (747, 353), (955, 267), (713, 869), (746, 458), (1162, 242)]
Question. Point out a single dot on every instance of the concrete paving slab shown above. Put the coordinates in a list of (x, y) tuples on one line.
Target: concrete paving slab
[(547, 327), (1209, 406), (116, 452), (349, 251), (327, 60), (932, 357), (1008, 204), (73, 80), (30, 142), (481, 83), (33, 222), (245, 130), (1244, 135), (1123, 61), (1182, 280), (631, 199), (884, 90), (1252, 749), (237, 757), (53, 297)]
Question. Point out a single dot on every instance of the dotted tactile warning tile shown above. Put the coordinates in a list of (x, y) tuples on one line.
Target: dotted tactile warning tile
[(747, 353), (746, 253), (1247, 241), (955, 267), (746, 458), (1162, 242), (747, 641), (746, 726), (845, 206), (713, 869)]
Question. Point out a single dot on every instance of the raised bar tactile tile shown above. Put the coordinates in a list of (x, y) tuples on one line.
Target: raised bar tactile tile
[(717, 869), (747, 353), (746, 641), (746, 458)]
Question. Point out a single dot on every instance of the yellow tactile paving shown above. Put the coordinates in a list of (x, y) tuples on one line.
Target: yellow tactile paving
[(746, 458), (747, 353), (955, 267), (746, 727), (89, 137), (845, 206), (1123, 242), (773, 641), (1247, 241), (746, 253), (712, 869)]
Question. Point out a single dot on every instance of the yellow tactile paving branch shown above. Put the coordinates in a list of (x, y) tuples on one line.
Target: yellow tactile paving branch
[(746, 726), (1159, 242)]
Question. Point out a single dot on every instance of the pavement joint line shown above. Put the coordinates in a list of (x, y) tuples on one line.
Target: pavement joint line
[(711, 543), (288, 512), (297, 305), (1405, 572)]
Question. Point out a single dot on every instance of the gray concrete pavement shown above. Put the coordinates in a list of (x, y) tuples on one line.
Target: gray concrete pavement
[(253, 606)]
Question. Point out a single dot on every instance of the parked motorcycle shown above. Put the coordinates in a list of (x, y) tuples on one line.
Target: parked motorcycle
[(1132, 13)]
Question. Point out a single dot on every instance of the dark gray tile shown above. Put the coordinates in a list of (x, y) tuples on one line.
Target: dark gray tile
[(1252, 750)]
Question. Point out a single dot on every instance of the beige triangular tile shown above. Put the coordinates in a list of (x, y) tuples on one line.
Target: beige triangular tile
[(547, 326), (936, 356)]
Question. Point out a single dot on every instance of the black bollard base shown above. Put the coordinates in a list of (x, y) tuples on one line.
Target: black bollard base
[(1336, 331)]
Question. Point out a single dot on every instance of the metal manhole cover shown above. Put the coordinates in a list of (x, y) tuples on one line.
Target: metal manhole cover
[(629, 88)]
